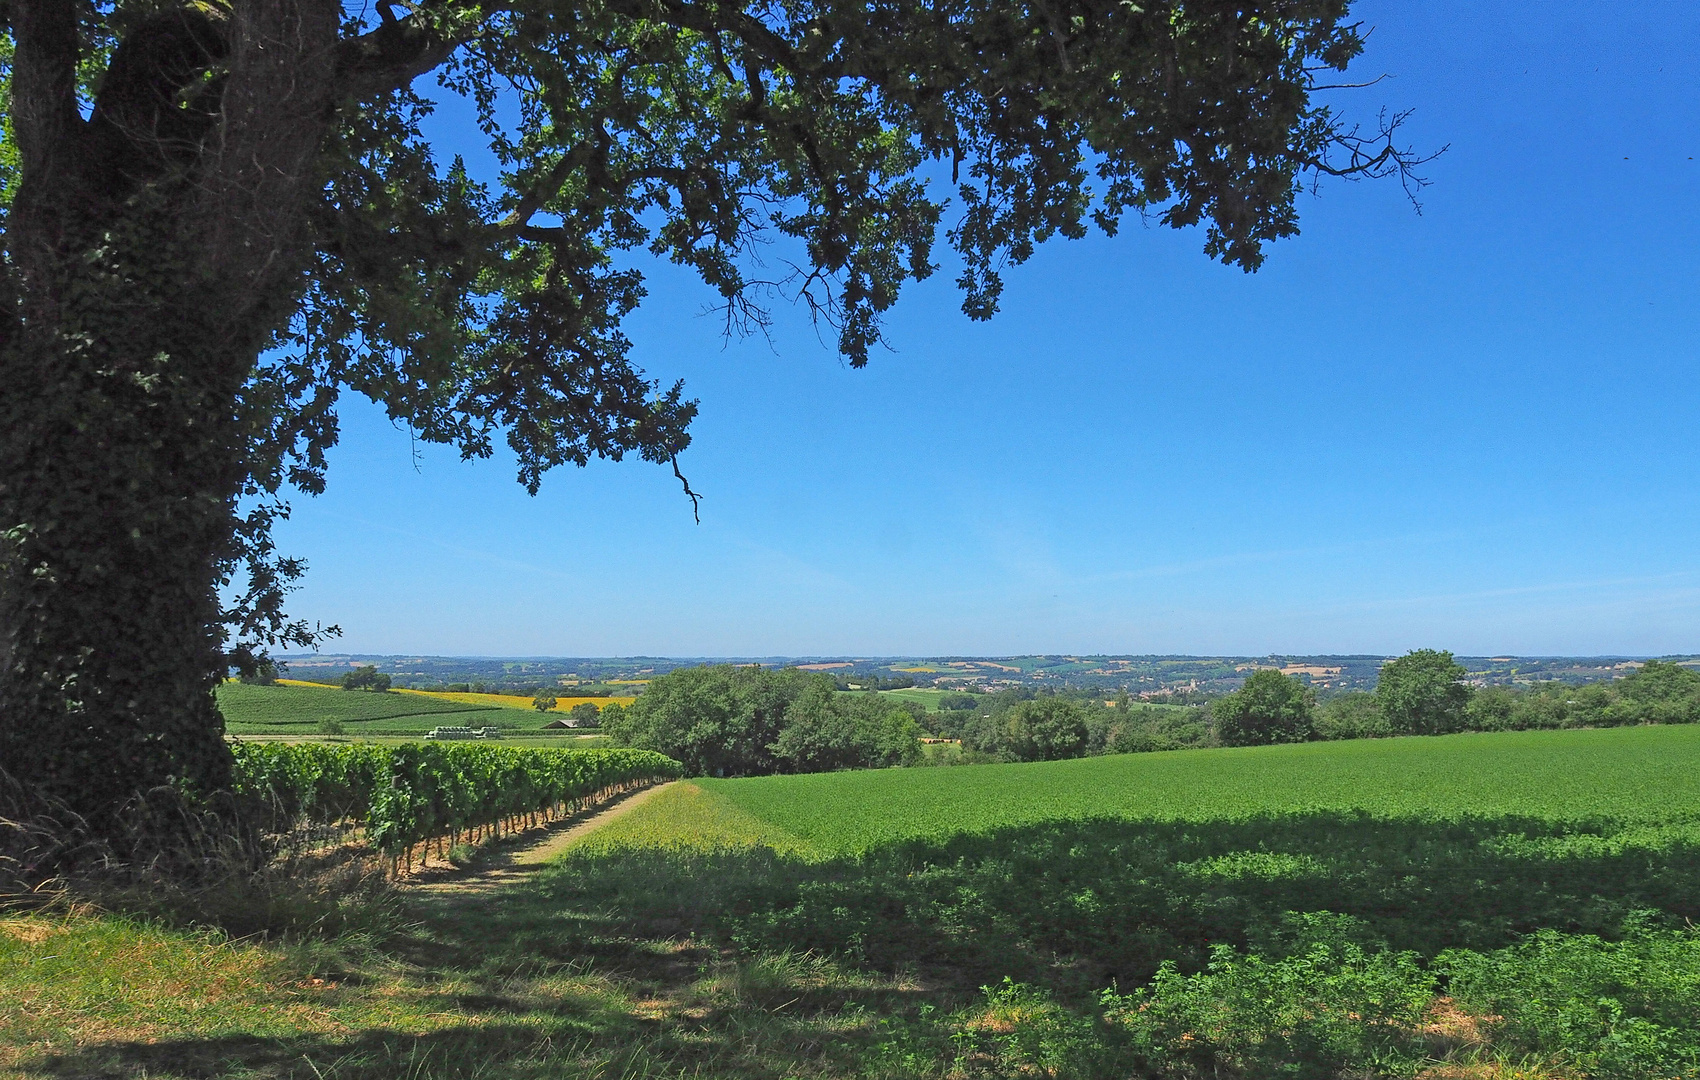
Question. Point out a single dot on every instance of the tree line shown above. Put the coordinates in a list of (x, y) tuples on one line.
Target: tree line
[(721, 720), (746, 721)]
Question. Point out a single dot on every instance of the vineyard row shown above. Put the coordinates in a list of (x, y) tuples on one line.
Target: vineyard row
[(406, 795)]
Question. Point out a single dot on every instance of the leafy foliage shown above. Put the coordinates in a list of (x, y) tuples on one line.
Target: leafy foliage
[(1329, 1006), (825, 730), (1045, 728), (746, 721), (1269, 708), (408, 793), (1623, 1009), (1423, 693), (585, 714), (366, 678)]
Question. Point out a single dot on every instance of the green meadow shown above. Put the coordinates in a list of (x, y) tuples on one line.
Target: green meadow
[(300, 710), (1219, 906), (1640, 774)]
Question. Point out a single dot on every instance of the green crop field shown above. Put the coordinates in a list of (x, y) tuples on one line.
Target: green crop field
[(1567, 861), (1623, 774), (928, 698), (283, 710)]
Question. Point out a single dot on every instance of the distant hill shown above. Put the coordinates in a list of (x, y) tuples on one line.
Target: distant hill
[(1172, 676)]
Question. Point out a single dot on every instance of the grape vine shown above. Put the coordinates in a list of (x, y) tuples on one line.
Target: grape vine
[(405, 795)]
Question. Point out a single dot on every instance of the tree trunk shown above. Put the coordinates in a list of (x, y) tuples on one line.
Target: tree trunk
[(120, 463), (153, 249)]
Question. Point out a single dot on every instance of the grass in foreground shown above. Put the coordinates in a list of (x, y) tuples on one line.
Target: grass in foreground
[(1259, 933)]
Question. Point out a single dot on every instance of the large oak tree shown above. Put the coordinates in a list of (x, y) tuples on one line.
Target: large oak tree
[(219, 214)]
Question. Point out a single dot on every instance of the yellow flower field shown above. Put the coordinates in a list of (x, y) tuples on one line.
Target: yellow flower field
[(504, 701), (516, 701)]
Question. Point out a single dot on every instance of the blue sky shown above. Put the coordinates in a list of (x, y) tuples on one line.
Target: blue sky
[(1472, 429)]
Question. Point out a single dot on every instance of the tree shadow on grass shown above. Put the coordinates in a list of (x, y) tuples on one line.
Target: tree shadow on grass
[(482, 1051), (743, 962), (523, 985), (1083, 904)]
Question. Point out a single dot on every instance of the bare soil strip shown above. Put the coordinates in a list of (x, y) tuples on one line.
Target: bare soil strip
[(514, 859)]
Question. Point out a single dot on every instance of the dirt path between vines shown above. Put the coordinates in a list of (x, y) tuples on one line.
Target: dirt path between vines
[(510, 861)]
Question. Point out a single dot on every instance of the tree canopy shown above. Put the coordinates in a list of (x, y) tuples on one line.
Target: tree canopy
[(1269, 708), (720, 720), (1423, 693), (218, 216)]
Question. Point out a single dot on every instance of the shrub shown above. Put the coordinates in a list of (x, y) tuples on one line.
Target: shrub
[(1352, 715)]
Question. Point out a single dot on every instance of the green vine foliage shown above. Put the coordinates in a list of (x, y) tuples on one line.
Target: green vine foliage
[(219, 216), (402, 795)]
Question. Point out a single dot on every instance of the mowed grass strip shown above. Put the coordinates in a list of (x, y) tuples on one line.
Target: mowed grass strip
[(1642, 774), (683, 814)]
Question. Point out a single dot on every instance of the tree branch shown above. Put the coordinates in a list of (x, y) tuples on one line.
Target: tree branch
[(1364, 159), (696, 500), (397, 52)]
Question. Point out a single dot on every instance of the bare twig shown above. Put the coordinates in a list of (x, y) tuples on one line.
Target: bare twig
[(696, 500)]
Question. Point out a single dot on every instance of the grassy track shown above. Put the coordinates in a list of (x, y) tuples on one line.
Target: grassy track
[(1640, 774)]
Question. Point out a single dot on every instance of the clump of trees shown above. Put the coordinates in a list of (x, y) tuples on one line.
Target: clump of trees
[(584, 714), (543, 701), (957, 700), (263, 673), (1658, 693), (366, 678), (721, 720), (1021, 724), (1269, 708)]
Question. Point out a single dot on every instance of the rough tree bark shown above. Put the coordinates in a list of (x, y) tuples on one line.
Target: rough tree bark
[(152, 249)]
